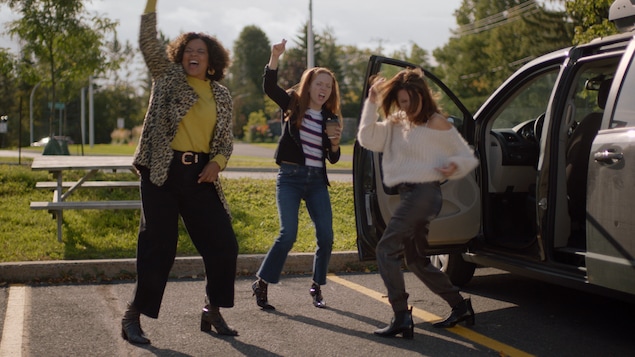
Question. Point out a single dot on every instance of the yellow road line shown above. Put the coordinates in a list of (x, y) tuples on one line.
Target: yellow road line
[(503, 349)]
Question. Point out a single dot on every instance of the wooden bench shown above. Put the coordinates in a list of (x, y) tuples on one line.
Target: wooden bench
[(51, 185), (59, 206), (57, 165)]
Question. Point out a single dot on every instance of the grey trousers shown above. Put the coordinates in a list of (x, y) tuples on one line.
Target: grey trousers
[(420, 203)]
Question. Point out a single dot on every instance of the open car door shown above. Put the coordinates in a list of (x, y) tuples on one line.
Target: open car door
[(459, 219)]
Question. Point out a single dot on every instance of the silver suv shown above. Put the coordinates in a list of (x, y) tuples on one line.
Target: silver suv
[(553, 196)]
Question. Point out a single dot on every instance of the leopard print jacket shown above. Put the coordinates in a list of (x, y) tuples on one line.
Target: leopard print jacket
[(170, 100)]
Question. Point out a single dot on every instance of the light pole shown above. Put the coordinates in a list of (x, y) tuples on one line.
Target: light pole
[(91, 113), (31, 111), (310, 57)]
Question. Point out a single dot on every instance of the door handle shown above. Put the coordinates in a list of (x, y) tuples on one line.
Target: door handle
[(608, 157)]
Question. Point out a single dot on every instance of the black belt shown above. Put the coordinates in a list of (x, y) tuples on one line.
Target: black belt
[(189, 157)]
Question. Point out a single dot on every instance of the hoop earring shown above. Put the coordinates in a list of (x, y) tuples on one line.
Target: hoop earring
[(211, 71)]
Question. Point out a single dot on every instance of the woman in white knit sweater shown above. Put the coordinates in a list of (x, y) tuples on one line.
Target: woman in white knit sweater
[(420, 148)]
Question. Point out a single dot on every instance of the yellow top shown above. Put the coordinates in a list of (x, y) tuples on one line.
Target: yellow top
[(197, 126), (151, 6)]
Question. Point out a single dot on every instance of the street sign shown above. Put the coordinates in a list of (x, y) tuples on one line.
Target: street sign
[(58, 106)]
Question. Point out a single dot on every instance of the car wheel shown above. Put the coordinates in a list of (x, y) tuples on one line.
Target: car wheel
[(459, 271)]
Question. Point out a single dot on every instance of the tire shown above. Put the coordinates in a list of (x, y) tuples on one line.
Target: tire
[(459, 271)]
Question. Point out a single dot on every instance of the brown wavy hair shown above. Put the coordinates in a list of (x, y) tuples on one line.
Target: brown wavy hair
[(412, 80), (218, 56), (300, 97)]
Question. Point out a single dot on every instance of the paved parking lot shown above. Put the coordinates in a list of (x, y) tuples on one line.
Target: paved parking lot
[(515, 317), (72, 320)]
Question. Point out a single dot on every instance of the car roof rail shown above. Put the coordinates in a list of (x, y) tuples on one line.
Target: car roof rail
[(622, 13)]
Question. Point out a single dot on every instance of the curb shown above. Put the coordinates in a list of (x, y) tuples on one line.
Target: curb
[(184, 267)]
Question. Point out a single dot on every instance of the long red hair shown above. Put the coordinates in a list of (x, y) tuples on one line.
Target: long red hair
[(300, 96)]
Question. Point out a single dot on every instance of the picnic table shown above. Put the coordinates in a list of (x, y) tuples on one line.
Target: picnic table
[(58, 164)]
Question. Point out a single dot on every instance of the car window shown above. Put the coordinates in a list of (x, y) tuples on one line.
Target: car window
[(529, 102), (625, 105), (588, 92)]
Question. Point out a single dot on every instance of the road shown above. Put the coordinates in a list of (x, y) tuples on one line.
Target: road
[(515, 317)]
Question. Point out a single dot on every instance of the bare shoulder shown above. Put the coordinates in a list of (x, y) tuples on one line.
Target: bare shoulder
[(439, 122)]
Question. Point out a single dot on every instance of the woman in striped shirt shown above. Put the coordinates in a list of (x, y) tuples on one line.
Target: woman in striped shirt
[(302, 151)]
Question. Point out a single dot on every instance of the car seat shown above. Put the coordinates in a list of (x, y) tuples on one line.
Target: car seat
[(577, 158)]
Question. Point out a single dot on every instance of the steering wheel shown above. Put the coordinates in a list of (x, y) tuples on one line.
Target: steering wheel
[(538, 126)]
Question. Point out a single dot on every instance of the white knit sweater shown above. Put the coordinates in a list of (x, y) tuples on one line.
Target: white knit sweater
[(412, 153)]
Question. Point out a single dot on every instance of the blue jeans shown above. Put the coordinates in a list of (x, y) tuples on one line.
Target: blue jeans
[(296, 183)]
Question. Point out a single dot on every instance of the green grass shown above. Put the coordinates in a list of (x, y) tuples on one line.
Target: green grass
[(30, 235)]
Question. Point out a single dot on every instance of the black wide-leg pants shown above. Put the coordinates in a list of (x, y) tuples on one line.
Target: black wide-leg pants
[(207, 223)]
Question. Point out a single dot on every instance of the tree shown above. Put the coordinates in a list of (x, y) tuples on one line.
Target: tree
[(61, 36), (494, 39), (117, 96), (112, 103), (591, 18), (120, 56), (353, 61), (327, 54), (8, 88), (416, 55), (251, 53), (256, 129)]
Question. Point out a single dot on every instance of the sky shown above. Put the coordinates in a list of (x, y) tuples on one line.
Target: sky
[(393, 25)]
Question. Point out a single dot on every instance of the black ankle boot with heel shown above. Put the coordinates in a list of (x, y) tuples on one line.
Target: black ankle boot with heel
[(131, 327), (401, 323), (211, 317), (316, 294), (462, 311), (260, 292)]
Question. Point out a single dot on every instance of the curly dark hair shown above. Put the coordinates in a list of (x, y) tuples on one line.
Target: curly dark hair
[(217, 54)]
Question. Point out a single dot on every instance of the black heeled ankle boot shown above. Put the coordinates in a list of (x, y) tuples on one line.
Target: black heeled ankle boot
[(131, 327), (211, 317), (316, 293), (462, 311), (260, 292), (401, 323)]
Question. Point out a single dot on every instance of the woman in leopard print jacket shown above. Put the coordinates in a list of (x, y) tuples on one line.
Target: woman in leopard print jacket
[(186, 141)]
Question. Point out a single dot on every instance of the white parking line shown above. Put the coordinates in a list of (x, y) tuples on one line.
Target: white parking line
[(11, 342)]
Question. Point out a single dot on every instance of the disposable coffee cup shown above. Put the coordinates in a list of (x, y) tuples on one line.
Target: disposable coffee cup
[(331, 126)]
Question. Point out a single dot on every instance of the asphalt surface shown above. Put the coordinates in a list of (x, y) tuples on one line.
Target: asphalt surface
[(84, 320), (515, 316)]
